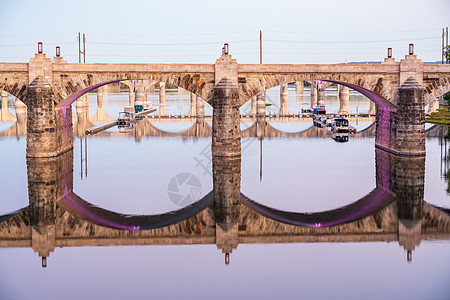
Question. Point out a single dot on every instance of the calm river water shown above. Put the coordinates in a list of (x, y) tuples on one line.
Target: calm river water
[(142, 172)]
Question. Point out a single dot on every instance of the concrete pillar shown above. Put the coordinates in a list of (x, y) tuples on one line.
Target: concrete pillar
[(131, 97), (139, 95), (344, 97), (253, 106), (299, 87), (226, 133), (313, 96), (321, 96), (200, 107), (261, 104), (284, 96), (100, 115), (434, 106), (21, 112), (193, 102), (100, 97), (162, 99), (5, 115), (49, 128), (372, 108)]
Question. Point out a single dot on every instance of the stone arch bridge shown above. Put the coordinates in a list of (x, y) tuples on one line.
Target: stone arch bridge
[(400, 90)]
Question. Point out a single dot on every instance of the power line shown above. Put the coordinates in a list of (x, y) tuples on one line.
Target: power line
[(350, 42), (166, 44)]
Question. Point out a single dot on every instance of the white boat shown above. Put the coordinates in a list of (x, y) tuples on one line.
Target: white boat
[(339, 125)]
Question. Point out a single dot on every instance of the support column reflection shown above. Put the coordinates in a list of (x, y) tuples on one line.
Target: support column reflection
[(49, 179)]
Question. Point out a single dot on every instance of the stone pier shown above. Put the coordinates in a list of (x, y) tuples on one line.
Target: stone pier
[(49, 128), (162, 99), (193, 102), (130, 96), (226, 133), (313, 96), (299, 88), (200, 107), (252, 106), (5, 115), (344, 97), (402, 131), (261, 104), (284, 96), (100, 115)]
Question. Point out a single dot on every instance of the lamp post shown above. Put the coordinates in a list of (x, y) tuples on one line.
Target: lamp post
[(40, 48), (411, 49)]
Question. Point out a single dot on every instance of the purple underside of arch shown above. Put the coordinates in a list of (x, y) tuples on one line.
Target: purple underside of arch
[(370, 204), (380, 101), (79, 207), (77, 95)]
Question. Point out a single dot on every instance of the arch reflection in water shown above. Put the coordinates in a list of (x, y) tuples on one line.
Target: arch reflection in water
[(56, 217)]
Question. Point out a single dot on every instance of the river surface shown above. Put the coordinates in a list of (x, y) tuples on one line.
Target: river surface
[(139, 174)]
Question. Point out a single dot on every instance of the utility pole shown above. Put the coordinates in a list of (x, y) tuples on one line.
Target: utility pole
[(444, 45), (260, 46), (79, 48)]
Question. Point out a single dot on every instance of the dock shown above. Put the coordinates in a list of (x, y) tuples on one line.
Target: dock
[(95, 130)]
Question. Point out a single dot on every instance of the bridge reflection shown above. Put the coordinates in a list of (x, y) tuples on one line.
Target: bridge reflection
[(56, 217)]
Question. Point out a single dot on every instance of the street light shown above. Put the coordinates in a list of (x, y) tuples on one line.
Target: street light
[(40, 47), (389, 53), (58, 51)]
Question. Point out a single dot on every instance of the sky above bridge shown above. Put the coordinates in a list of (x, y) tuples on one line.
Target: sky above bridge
[(141, 31)]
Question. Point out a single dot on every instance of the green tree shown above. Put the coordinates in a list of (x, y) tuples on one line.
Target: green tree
[(447, 54)]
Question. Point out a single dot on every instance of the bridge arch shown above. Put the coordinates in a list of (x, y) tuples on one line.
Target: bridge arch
[(69, 88), (378, 89), (436, 88)]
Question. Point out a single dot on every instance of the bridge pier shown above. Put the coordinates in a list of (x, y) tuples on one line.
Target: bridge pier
[(130, 97), (261, 104), (5, 115), (100, 115), (403, 132), (162, 99), (49, 128), (299, 88), (321, 96), (193, 102), (200, 107), (284, 96), (139, 95), (434, 106), (344, 97), (313, 96), (253, 106), (226, 133)]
